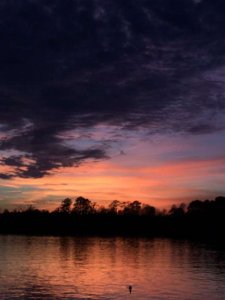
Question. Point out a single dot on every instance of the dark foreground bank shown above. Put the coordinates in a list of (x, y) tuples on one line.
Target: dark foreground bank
[(205, 219)]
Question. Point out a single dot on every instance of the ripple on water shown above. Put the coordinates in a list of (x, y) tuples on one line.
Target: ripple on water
[(103, 268)]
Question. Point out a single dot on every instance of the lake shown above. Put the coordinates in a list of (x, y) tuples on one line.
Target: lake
[(103, 268)]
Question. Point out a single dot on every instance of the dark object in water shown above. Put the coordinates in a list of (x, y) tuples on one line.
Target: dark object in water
[(130, 288)]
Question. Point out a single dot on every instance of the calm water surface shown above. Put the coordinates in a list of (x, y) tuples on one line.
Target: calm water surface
[(102, 268)]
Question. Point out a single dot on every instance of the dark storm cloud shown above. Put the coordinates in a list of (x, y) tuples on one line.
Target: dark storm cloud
[(45, 153), (69, 64)]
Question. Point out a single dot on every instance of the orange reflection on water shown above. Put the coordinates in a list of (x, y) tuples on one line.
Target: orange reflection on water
[(102, 268)]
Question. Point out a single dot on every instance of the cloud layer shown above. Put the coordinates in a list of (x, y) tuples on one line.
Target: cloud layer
[(72, 65)]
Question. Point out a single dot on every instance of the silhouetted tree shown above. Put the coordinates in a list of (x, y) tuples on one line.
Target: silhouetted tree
[(177, 211), (195, 207), (65, 206), (200, 219), (114, 206), (102, 210), (83, 206), (30, 208), (220, 203), (148, 210), (133, 208)]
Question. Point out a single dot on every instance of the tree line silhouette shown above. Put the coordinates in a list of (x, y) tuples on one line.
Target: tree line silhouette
[(204, 219)]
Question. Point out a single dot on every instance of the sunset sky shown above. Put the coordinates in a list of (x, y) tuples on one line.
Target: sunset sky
[(111, 99)]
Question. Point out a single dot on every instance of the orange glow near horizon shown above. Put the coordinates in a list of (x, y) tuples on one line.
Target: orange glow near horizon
[(160, 185)]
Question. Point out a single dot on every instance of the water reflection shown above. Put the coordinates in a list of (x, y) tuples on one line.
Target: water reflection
[(104, 268)]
